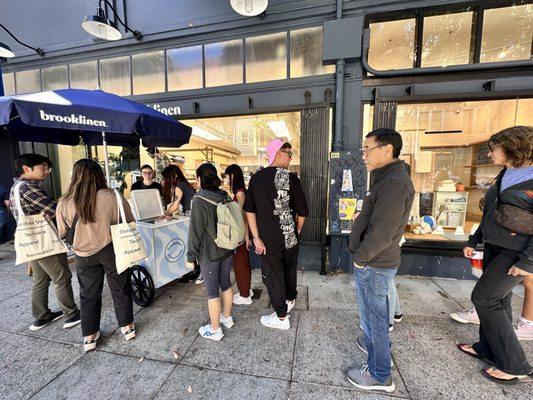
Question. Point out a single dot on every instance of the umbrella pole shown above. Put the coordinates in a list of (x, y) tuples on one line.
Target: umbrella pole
[(106, 160)]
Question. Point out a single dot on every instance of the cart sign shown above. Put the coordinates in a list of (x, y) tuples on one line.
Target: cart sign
[(175, 250)]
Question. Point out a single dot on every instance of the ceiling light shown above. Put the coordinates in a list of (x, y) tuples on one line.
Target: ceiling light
[(202, 133), (103, 28), (249, 8), (280, 129)]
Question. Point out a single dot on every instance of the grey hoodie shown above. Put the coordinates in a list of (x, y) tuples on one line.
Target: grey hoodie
[(203, 229)]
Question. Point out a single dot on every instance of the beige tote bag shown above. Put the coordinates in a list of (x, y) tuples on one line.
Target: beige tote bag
[(35, 237), (127, 242)]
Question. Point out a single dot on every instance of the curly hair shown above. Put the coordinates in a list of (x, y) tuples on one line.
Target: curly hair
[(517, 144)]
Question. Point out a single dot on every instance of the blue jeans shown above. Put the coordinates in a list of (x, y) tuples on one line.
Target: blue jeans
[(394, 302), (371, 288)]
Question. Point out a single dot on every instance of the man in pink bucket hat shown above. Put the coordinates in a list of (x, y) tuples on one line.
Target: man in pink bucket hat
[(276, 209)]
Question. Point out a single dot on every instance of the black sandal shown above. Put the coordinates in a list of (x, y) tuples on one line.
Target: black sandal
[(474, 355), (512, 381)]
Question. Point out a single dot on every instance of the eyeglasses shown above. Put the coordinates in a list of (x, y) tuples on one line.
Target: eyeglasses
[(45, 168), (289, 153), (366, 151)]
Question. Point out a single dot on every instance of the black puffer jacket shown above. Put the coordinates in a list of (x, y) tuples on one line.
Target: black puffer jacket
[(520, 195)]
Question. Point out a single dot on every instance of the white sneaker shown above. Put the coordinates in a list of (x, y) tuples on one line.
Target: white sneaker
[(466, 316), (199, 280), (272, 321), (290, 305), (206, 332), (227, 322), (242, 301)]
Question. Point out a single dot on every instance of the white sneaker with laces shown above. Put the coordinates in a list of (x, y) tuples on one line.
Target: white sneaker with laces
[(207, 332), (523, 330), (466, 316), (272, 321), (242, 301), (227, 322), (290, 305)]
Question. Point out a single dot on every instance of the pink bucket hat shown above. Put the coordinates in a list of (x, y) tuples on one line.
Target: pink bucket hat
[(272, 149)]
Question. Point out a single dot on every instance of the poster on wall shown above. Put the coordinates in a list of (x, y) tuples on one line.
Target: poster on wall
[(347, 208)]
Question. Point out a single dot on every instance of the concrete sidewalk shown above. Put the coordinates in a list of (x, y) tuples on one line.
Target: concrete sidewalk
[(251, 362)]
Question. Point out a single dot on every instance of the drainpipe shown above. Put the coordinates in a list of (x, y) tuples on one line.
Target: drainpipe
[(339, 93)]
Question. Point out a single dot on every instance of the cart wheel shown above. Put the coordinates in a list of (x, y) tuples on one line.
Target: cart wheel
[(142, 286)]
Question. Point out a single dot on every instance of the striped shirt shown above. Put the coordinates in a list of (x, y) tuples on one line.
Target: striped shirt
[(33, 199)]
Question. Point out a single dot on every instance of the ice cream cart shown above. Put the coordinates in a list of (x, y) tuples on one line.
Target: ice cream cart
[(165, 242)]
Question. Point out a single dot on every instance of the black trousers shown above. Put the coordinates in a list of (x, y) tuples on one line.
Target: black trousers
[(279, 276), (91, 271), (492, 298)]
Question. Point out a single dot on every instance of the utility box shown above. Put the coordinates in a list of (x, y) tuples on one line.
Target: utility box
[(342, 39)]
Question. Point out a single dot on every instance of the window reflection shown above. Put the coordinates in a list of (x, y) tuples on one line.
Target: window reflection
[(84, 75), (392, 44), (55, 77), (148, 72), (223, 63), (266, 57), (446, 147), (184, 68), (115, 75), (447, 40), (9, 83), (28, 81), (507, 34), (306, 53)]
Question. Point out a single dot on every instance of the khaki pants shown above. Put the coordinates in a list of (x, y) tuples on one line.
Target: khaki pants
[(52, 269)]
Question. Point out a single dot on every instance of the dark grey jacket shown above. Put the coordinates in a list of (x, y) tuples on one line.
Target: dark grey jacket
[(203, 229), (377, 231)]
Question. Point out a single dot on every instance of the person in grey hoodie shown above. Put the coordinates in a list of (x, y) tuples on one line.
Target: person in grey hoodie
[(215, 262), (375, 245)]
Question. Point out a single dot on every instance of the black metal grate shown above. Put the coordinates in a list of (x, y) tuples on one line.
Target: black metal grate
[(314, 161)]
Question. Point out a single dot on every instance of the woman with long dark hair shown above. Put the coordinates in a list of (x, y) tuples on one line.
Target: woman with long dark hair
[(505, 231), (176, 190), (90, 208), (215, 262), (241, 259)]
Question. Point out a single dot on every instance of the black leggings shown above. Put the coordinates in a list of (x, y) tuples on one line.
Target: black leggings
[(216, 276), (492, 298)]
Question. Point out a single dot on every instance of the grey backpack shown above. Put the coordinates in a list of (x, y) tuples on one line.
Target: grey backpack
[(230, 224)]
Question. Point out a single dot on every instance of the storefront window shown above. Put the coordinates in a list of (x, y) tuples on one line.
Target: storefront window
[(306, 53), (84, 75), (148, 72), (392, 44), (223, 63), (9, 83), (266, 57), (447, 40), (445, 145), (115, 75), (507, 33), (233, 140), (184, 68), (28, 81), (55, 77)]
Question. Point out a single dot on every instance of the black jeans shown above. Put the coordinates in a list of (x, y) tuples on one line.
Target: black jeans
[(492, 298), (279, 276), (91, 272)]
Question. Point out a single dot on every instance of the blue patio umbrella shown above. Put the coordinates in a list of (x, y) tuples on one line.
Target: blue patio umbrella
[(64, 116)]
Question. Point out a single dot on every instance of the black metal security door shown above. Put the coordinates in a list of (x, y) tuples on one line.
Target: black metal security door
[(315, 146)]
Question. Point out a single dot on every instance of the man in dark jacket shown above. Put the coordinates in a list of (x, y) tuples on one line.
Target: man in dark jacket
[(374, 242)]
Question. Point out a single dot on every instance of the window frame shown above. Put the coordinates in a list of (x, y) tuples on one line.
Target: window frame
[(477, 7)]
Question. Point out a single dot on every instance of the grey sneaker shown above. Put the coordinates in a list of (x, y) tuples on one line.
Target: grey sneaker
[(360, 341), (361, 344), (361, 378)]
